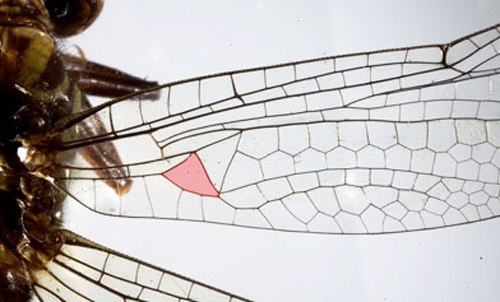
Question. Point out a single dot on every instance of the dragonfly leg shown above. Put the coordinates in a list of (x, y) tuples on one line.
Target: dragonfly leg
[(93, 78), (103, 154), (100, 80)]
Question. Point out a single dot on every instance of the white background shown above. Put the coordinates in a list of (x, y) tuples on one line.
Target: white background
[(167, 40)]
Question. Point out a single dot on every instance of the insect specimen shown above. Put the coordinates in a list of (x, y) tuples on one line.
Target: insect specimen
[(193, 118)]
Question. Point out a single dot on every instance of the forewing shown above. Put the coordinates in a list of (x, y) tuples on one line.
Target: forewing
[(84, 271), (388, 141)]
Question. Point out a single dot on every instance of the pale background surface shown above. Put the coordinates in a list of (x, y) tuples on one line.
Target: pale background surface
[(168, 41)]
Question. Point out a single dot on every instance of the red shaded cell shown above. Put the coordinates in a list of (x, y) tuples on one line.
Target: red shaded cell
[(190, 175)]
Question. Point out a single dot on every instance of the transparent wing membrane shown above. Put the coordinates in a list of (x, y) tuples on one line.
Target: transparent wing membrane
[(85, 272), (387, 141)]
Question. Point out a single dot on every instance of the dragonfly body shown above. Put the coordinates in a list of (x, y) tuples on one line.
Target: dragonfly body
[(35, 92)]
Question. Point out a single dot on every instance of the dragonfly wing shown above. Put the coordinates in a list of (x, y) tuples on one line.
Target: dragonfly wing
[(84, 271), (387, 141)]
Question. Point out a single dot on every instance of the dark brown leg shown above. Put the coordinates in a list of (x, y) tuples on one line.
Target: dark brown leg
[(96, 79), (102, 154)]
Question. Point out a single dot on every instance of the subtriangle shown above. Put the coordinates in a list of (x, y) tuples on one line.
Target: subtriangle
[(190, 175)]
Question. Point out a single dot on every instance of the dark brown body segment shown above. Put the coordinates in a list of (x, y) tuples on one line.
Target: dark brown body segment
[(39, 87)]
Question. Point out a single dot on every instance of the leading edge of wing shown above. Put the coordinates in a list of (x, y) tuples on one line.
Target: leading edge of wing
[(198, 95)]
